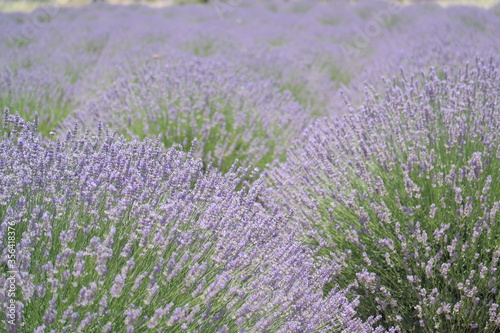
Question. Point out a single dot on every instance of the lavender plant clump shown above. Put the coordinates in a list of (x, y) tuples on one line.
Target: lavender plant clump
[(123, 236), (256, 167), (405, 190), (231, 115)]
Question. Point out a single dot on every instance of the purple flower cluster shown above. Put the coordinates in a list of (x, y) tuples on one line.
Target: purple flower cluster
[(405, 190), (124, 236)]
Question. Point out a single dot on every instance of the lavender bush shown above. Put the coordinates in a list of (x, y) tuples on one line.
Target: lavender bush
[(37, 90), (119, 236), (405, 190), (228, 112)]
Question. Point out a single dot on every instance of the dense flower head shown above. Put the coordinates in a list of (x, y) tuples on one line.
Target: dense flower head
[(127, 236), (406, 188)]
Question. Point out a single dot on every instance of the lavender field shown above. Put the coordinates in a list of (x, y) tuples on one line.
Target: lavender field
[(250, 167)]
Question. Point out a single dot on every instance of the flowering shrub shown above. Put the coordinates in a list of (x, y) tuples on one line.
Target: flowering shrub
[(231, 115), (406, 191), (37, 90), (122, 236)]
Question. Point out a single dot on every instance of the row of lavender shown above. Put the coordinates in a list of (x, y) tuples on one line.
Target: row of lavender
[(262, 72), (384, 219)]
